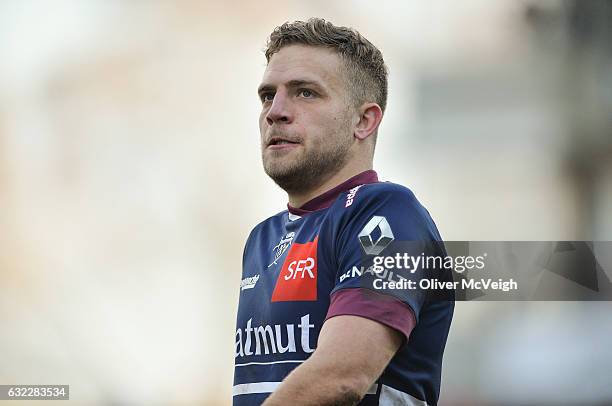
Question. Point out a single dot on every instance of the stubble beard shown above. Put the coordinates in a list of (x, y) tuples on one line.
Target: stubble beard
[(310, 170)]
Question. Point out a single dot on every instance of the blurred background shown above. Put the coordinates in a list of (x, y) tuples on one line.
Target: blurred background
[(130, 177)]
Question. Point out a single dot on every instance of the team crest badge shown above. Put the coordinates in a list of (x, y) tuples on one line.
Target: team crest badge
[(281, 247)]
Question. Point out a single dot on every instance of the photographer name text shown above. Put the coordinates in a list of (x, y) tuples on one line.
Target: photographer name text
[(471, 284)]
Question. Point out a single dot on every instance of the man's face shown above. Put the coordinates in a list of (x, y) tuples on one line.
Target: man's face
[(305, 122)]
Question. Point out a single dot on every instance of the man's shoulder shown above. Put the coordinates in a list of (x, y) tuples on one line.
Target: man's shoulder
[(266, 228), (274, 220), (378, 192), (396, 203)]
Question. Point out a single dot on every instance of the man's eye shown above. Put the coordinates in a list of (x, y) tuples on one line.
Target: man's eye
[(306, 93), (267, 97)]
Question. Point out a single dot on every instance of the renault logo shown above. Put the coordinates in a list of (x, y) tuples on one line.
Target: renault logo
[(386, 236)]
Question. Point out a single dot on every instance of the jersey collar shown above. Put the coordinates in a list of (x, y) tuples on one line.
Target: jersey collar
[(326, 199)]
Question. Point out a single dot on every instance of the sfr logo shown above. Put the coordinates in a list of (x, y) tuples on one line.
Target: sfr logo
[(299, 267), (297, 280)]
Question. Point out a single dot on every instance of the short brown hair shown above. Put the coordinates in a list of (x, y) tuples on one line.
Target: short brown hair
[(363, 62)]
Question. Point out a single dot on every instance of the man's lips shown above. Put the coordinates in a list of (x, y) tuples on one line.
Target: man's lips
[(278, 147), (282, 143)]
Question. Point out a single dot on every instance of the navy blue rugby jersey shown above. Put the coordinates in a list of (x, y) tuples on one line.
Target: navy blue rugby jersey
[(303, 266)]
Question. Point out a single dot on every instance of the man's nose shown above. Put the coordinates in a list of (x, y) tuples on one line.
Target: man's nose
[(280, 110)]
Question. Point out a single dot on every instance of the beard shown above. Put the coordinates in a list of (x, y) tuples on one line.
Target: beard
[(312, 168)]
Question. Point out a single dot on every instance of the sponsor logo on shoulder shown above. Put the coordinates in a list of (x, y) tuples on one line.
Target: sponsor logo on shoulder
[(352, 273), (351, 195), (249, 283), (385, 235), (281, 247), (383, 274)]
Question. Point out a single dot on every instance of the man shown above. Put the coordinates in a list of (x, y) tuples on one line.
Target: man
[(312, 328)]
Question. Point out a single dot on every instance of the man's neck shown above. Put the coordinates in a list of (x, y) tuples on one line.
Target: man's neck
[(298, 199)]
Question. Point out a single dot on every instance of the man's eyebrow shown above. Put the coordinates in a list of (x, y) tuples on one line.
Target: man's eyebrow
[(298, 83), (265, 88), (292, 83)]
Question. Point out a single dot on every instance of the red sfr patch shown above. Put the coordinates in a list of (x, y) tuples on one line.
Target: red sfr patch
[(297, 280)]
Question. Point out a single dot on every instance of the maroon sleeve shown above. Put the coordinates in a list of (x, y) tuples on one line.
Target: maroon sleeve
[(372, 305)]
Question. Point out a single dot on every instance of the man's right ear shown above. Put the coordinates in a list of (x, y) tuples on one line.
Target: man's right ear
[(370, 116)]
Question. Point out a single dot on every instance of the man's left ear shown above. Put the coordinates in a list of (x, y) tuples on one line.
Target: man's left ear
[(370, 116)]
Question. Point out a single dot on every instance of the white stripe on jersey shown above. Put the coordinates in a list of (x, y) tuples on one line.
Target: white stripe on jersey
[(392, 397), (269, 387), (287, 361), (254, 387)]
